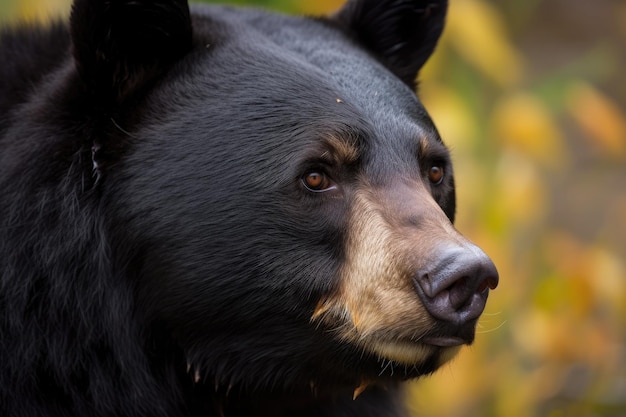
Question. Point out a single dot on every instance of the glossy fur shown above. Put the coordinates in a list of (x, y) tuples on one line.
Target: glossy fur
[(159, 252)]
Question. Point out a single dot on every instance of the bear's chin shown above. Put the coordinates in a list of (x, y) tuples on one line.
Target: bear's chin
[(413, 354)]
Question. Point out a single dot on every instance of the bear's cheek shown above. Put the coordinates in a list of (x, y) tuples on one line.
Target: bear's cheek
[(376, 306)]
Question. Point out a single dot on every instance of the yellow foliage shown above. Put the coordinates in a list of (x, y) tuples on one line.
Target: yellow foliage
[(471, 184), (549, 335), (608, 275), (38, 10), (513, 392), (522, 122), (451, 115), (320, 7), (603, 272), (465, 380), (531, 331), (520, 193), (601, 118), (477, 31)]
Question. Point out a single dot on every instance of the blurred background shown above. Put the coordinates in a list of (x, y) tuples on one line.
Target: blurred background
[(530, 95)]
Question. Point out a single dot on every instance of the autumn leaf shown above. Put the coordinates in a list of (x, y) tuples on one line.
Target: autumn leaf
[(520, 121), (477, 32), (599, 116)]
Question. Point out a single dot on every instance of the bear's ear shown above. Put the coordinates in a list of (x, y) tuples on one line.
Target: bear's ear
[(402, 33), (121, 45)]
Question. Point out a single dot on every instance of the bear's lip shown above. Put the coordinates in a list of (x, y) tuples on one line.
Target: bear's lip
[(444, 341), (448, 334), (410, 352)]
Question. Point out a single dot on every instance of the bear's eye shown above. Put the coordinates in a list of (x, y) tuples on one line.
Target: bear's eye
[(317, 181), (436, 174)]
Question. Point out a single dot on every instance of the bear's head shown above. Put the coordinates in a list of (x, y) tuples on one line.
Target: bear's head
[(278, 195)]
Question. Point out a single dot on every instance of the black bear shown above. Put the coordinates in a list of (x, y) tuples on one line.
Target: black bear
[(226, 212)]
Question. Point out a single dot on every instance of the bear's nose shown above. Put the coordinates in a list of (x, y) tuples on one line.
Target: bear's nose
[(455, 286)]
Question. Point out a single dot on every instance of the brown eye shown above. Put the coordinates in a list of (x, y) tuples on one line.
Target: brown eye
[(435, 174), (316, 181)]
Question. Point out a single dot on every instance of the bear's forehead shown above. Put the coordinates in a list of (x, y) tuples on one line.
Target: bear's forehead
[(307, 62)]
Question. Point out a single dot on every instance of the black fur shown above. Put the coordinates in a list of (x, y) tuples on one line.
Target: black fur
[(153, 225), (403, 33), (122, 45)]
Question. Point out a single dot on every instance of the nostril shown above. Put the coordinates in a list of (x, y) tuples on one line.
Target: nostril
[(492, 282), (459, 293), (488, 284), (484, 286)]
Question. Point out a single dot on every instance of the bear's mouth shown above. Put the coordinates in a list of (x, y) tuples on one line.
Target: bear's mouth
[(411, 353), (444, 341), (405, 343)]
